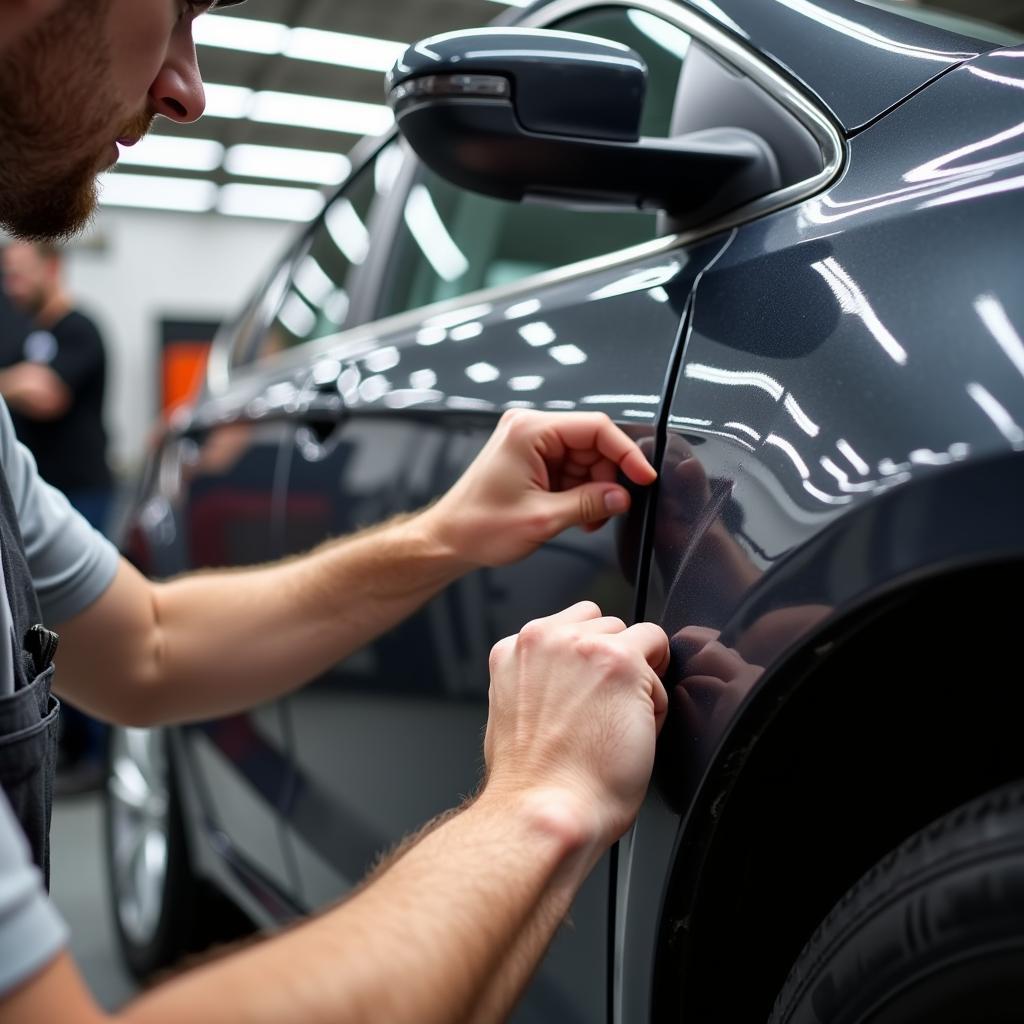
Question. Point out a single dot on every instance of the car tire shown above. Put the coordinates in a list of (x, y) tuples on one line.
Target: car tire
[(933, 933), (161, 911)]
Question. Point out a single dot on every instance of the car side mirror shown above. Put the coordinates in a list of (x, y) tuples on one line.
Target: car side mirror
[(540, 114)]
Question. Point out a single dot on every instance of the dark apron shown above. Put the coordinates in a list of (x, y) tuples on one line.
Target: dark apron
[(28, 717)]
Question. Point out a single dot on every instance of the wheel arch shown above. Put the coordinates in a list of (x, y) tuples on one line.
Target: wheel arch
[(900, 706)]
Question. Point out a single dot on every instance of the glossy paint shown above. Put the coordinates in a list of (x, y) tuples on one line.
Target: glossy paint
[(860, 60), (847, 375), (424, 685)]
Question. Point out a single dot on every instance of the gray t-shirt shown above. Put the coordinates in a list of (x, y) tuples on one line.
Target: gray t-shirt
[(71, 566)]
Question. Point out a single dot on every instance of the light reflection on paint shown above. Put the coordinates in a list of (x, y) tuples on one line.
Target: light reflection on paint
[(383, 359), (568, 355), (997, 413), (794, 456), (464, 332), (853, 302), (537, 333), (431, 336), (871, 37), (995, 318), (735, 378), (802, 420), (482, 373), (521, 309)]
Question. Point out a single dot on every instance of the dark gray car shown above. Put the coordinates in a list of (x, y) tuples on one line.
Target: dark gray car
[(789, 263)]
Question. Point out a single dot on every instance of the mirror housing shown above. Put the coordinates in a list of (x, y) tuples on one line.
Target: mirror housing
[(539, 114)]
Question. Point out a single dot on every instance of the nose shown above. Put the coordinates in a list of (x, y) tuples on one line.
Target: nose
[(177, 91)]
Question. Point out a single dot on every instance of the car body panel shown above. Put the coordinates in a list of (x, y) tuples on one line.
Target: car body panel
[(605, 343), (831, 434)]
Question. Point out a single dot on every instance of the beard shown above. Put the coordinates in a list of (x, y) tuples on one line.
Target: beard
[(55, 129)]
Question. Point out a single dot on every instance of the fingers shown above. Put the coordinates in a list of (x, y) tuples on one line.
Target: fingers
[(651, 643), (582, 611), (586, 505), (595, 432)]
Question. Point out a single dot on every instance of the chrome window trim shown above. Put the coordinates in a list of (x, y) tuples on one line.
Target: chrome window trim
[(358, 340)]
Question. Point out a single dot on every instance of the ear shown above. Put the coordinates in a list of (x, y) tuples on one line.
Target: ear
[(18, 16)]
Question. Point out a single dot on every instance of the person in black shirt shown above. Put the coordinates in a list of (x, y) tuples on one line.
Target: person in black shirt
[(55, 380), (54, 383)]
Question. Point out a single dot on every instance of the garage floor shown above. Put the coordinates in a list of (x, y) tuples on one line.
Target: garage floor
[(78, 884)]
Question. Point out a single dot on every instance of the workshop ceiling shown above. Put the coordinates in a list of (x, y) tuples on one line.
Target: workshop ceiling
[(275, 63)]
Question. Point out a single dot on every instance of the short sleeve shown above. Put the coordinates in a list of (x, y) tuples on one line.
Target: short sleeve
[(71, 563), (32, 933), (79, 353)]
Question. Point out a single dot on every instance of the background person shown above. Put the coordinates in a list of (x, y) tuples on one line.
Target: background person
[(54, 380)]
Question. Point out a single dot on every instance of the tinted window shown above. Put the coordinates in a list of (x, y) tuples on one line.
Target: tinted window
[(451, 242), (310, 294)]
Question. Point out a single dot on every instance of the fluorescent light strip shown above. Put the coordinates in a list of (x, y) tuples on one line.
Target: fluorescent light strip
[(270, 201), (269, 37), (287, 164), (157, 193), (232, 101), (296, 110), (180, 154)]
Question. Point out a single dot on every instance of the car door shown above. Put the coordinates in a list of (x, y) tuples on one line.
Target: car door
[(480, 306)]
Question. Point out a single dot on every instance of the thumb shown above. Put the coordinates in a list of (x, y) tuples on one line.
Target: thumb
[(588, 505)]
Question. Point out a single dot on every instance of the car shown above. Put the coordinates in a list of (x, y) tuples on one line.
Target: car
[(779, 244)]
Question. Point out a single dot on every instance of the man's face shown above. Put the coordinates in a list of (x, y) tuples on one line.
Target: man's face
[(92, 73), (27, 277)]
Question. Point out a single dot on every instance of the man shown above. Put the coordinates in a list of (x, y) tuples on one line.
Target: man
[(56, 383), (451, 929)]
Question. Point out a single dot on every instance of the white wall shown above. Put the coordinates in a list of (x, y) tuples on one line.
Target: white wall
[(135, 268)]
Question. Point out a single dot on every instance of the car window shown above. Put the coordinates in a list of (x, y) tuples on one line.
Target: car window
[(451, 241), (310, 294)]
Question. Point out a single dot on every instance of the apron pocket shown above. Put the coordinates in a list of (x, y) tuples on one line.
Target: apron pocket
[(28, 759)]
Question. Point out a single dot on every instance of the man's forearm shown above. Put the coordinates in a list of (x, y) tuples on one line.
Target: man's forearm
[(419, 945), (218, 642), (231, 639)]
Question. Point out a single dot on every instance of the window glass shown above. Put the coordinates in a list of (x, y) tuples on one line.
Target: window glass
[(451, 241), (309, 296)]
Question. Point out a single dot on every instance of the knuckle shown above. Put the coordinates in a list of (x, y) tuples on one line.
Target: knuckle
[(589, 508), (500, 651), (532, 633)]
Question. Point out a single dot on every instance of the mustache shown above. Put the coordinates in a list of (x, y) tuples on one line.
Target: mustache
[(138, 126)]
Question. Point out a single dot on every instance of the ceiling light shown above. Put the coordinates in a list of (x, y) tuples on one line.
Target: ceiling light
[(294, 109), (341, 48), (287, 164), (166, 151), (271, 37), (227, 100), (246, 34), (270, 201), (158, 193)]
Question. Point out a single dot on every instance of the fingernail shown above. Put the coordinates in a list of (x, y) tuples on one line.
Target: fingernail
[(615, 502)]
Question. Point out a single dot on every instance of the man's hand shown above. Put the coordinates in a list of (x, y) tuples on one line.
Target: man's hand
[(538, 474), (576, 705)]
